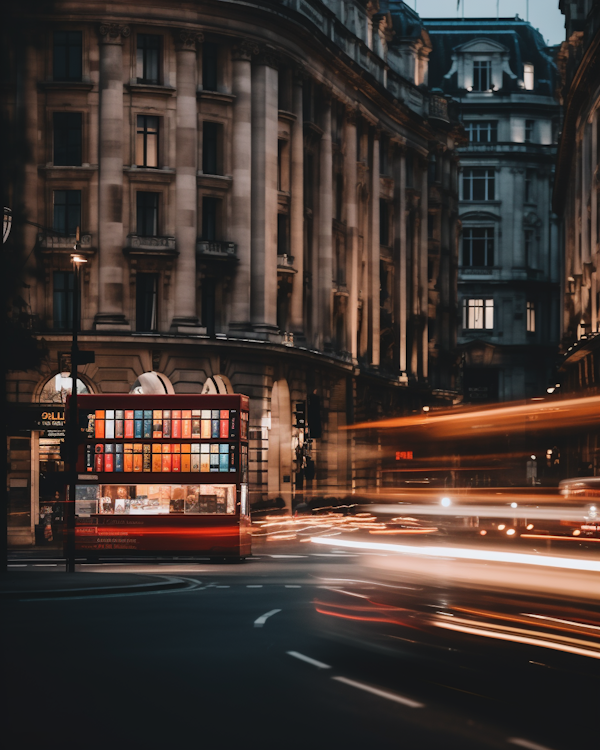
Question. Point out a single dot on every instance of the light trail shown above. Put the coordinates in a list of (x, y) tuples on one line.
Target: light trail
[(463, 553)]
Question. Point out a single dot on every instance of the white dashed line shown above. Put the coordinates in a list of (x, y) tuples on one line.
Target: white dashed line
[(381, 693), (45, 565), (308, 660), (277, 557), (260, 621), (254, 586), (292, 586), (223, 587), (526, 744), (17, 565)]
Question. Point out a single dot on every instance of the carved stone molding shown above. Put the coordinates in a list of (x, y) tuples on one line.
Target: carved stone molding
[(113, 33), (269, 57), (187, 40), (244, 49), (351, 115)]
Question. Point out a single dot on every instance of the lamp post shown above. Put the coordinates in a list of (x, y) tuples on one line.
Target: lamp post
[(73, 425)]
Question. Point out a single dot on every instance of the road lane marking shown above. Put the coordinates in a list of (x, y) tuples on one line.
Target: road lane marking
[(308, 660), (223, 587), (381, 693), (287, 556), (292, 586), (254, 586), (260, 621), (526, 744), (13, 565)]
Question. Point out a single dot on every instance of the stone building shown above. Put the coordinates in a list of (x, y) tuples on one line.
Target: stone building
[(502, 78), (577, 201), (267, 204)]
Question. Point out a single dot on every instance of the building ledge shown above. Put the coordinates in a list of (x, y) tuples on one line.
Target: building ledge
[(150, 88), (214, 180), (65, 85), (66, 244), (215, 96), (155, 246), (217, 250), (285, 264)]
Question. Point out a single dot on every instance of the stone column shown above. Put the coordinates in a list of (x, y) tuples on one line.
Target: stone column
[(374, 278), (25, 235), (325, 261), (351, 232), (185, 319), (110, 313), (423, 269), (297, 210), (264, 194), (241, 221), (400, 252)]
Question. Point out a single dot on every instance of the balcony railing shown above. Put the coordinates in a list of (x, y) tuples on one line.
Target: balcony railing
[(286, 263), (65, 244), (438, 108), (217, 250), (137, 243)]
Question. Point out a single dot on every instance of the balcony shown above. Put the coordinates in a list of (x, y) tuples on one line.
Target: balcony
[(340, 289), (438, 107), (285, 264), (65, 244), (216, 252), (150, 246)]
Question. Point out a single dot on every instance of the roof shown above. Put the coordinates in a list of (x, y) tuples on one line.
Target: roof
[(406, 22), (524, 44)]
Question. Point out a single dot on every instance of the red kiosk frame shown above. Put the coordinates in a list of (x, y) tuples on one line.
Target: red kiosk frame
[(163, 475)]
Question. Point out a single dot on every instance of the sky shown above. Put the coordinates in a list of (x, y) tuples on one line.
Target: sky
[(543, 14)]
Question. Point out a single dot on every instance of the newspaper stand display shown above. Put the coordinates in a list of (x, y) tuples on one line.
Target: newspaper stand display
[(163, 475)]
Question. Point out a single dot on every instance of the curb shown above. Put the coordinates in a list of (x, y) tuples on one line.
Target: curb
[(166, 584)]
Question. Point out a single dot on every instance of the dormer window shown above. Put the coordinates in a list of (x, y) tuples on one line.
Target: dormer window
[(482, 75), (528, 79)]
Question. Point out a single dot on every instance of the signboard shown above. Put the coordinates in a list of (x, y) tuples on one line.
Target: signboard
[(51, 421)]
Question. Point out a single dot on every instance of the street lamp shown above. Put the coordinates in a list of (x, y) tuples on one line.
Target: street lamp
[(73, 427)]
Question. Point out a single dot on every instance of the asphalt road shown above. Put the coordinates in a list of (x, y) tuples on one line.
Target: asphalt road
[(242, 658)]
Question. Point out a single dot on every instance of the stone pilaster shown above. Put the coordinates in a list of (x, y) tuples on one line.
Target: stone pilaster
[(297, 210), (350, 212), (111, 295), (241, 220), (374, 276), (423, 271), (325, 261), (185, 319), (401, 252), (264, 194)]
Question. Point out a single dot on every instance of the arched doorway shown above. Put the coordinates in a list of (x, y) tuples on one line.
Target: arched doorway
[(280, 445)]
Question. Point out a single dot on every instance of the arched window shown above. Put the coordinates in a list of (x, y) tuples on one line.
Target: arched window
[(58, 387)]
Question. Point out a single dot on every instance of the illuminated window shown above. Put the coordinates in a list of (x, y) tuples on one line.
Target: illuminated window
[(482, 75), (479, 184), (148, 56), (482, 131), (478, 314), (528, 78), (146, 145), (530, 317), (478, 246)]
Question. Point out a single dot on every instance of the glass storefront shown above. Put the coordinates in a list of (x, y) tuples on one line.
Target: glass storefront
[(155, 499)]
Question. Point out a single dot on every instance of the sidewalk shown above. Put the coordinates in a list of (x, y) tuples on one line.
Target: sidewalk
[(53, 582)]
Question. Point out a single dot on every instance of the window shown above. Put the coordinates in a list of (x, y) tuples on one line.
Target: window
[(529, 239), (529, 177), (210, 143), (147, 214), (528, 78), (209, 306), (146, 301), (280, 147), (146, 147), (67, 211), (64, 286), (478, 314), (410, 169), (384, 223), (478, 185), (148, 58), (478, 246), (384, 148), (529, 128), (209, 219), (482, 131), (482, 75), (209, 66), (530, 317), (282, 234), (67, 139), (67, 56)]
